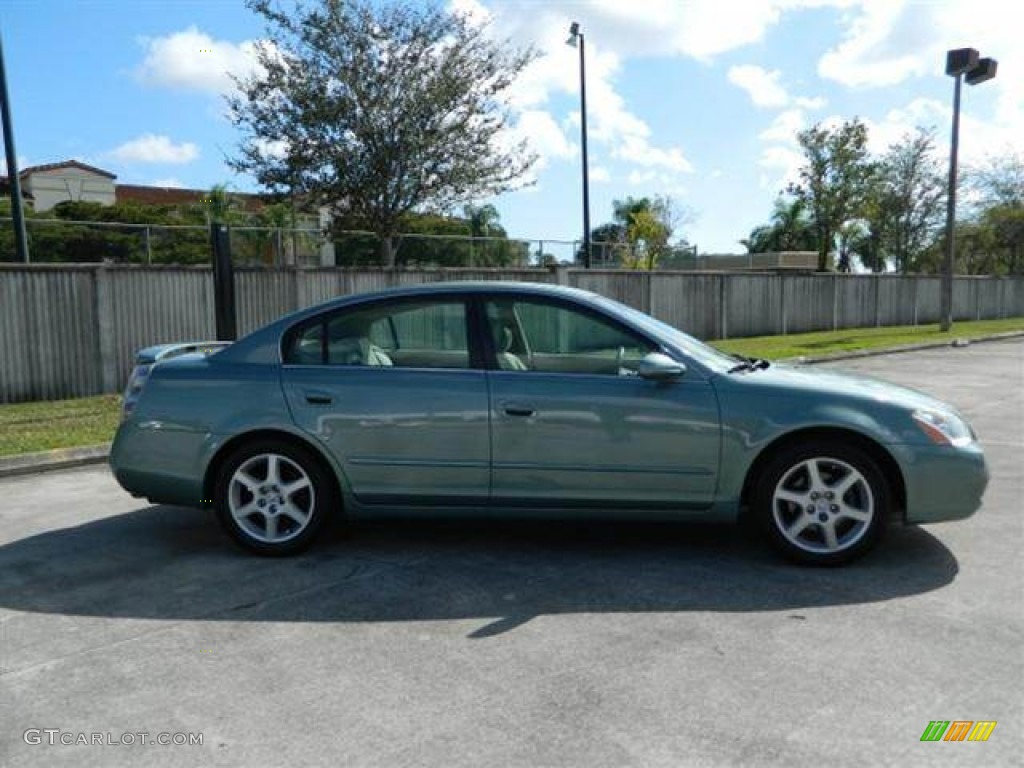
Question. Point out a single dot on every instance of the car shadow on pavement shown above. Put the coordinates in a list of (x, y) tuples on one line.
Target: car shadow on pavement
[(169, 563)]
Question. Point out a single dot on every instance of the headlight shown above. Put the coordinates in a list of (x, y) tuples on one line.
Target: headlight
[(943, 428)]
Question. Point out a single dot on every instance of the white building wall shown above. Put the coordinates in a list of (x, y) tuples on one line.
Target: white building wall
[(55, 186)]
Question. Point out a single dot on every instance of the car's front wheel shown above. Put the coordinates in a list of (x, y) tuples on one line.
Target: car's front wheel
[(822, 503), (272, 497)]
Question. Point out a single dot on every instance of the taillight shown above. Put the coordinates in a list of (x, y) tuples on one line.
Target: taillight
[(132, 393)]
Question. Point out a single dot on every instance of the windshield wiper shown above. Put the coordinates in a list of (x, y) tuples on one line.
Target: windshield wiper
[(749, 364)]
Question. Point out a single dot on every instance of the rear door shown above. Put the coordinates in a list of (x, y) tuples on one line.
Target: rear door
[(392, 390)]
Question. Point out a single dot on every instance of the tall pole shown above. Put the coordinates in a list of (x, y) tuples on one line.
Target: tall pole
[(946, 319), (21, 242), (583, 138)]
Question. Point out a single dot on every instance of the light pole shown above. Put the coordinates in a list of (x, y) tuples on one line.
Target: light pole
[(575, 36), (17, 213), (960, 63)]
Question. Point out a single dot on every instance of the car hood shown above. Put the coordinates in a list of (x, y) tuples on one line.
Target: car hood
[(814, 380)]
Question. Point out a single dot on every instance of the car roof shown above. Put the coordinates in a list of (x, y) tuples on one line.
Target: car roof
[(447, 287), (467, 286)]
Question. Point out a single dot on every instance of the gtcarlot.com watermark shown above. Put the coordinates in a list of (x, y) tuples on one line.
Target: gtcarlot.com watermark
[(54, 737)]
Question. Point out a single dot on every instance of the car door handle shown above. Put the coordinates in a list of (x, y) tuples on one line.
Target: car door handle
[(518, 409), (318, 398)]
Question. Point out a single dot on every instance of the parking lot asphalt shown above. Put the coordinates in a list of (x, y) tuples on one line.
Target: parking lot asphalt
[(505, 644)]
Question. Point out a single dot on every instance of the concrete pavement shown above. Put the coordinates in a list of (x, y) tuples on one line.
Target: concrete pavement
[(455, 644)]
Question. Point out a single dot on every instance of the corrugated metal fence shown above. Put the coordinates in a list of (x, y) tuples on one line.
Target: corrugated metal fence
[(68, 331)]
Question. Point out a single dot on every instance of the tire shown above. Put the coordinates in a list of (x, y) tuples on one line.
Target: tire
[(822, 502), (272, 497)]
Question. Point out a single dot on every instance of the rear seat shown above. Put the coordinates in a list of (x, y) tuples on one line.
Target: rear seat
[(429, 358)]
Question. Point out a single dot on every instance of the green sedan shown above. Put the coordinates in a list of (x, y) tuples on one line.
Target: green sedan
[(524, 400)]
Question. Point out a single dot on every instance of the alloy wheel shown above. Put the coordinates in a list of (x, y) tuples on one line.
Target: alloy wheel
[(823, 505), (271, 498)]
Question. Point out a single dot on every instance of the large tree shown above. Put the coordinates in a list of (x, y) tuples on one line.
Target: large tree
[(999, 180), (997, 189), (378, 109), (906, 205), (834, 179), (1006, 223)]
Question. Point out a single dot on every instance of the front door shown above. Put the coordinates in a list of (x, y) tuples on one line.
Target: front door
[(572, 423)]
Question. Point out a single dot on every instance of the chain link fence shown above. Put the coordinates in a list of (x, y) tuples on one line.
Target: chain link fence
[(80, 242)]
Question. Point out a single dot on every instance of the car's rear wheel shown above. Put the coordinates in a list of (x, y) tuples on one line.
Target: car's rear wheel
[(822, 503), (272, 497)]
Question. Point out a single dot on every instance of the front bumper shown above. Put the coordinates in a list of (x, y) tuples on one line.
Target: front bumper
[(943, 483)]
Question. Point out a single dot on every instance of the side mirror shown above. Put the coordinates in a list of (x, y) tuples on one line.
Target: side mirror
[(659, 367)]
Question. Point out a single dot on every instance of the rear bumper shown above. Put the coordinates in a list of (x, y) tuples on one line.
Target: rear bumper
[(944, 483), (160, 464)]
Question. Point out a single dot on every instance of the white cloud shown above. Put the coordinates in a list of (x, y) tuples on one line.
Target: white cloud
[(866, 55), (761, 85), (610, 122), (785, 127), (810, 102), (600, 175), (785, 161), (891, 41), (979, 138), (780, 162), (920, 112), (612, 33), (651, 181), (640, 178), (151, 148), (781, 157), (193, 60), (694, 28), (170, 181), (636, 149), (700, 29), (544, 136)]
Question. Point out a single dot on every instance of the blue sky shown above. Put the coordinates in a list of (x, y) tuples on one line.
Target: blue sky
[(692, 99)]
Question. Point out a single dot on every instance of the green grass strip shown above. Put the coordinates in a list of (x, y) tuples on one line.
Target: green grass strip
[(856, 339), (43, 426)]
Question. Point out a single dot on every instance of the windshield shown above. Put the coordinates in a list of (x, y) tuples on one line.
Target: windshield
[(705, 355)]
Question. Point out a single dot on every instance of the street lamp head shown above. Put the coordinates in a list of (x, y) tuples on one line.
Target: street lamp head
[(984, 70), (961, 61), (574, 32)]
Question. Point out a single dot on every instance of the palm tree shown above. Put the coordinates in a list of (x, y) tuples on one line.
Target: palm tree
[(790, 229), (794, 227), (482, 220), (219, 207)]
